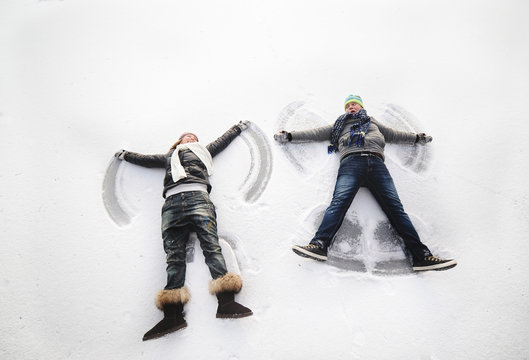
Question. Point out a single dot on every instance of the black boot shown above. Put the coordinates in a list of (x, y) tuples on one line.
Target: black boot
[(173, 319), (225, 288), (229, 309), (171, 302)]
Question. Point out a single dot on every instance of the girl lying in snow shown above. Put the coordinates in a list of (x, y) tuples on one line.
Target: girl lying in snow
[(187, 208)]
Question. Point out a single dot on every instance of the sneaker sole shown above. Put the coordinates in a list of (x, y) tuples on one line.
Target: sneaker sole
[(307, 254), (444, 266)]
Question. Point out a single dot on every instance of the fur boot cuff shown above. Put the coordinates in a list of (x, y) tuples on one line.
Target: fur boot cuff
[(173, 296), (228, 282)]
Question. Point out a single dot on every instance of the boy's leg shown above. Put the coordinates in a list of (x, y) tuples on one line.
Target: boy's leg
[(347, 184), (381, 185), (383, 188), (348, 181)]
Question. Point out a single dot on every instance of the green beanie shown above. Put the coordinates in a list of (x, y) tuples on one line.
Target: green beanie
[(353, 98)]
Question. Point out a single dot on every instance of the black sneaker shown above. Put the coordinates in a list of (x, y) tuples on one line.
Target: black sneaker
[(310, 251), (434, 263)]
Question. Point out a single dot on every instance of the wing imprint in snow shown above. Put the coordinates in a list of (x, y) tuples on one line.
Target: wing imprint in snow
[(261, 163), (414, 158), (110, 199), (392, 257), (292, 117), (362, 245)]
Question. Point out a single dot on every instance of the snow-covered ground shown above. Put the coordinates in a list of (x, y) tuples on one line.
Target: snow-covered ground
[(81, 79)]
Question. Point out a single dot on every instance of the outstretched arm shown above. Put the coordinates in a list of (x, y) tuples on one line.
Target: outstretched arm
[(319, 134), (396, 136), (225, 139), (150, 161)]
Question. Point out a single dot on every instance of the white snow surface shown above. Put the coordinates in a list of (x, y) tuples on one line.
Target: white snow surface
[(81, 79)]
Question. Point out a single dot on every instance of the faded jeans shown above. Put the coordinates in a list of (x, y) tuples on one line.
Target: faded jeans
[(186, 212), (369, 171)]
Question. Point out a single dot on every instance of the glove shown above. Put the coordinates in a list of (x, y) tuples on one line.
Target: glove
[(243, 125), (423, 139), (283, 137), (120, 154)]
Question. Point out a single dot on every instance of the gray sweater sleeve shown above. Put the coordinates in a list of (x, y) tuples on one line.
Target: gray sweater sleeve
[(396, 136), (318, 134)]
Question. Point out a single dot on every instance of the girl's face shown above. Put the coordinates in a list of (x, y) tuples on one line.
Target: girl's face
[(352, 108), (188, 138)]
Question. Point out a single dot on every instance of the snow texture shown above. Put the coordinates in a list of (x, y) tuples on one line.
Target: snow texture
[(81, 251), (110, 194), (260, 165)]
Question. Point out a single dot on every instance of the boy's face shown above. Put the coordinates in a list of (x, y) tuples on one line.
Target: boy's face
[(352, 108)]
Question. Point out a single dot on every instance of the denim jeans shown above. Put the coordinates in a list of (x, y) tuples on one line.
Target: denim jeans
[(186, 212), (369, 171)]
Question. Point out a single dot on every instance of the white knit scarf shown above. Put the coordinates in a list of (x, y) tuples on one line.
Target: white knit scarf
[(199, 150)]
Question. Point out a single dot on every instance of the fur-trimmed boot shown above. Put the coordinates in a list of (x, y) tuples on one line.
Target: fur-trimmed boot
[(171, 302), (225, 289)]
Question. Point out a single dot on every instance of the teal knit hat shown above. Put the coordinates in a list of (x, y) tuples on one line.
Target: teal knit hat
[(353, 98)]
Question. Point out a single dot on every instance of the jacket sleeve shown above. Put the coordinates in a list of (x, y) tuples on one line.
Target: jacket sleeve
[(223, 141), (396, 136), (318, 134), (149, 161)]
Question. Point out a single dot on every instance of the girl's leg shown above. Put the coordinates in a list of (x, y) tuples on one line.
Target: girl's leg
[(205, 224), (175, 234)]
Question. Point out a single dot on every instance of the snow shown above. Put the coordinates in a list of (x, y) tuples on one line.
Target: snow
[(81, 79)]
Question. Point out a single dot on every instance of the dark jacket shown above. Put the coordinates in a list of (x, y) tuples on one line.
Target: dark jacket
[(195, 170)]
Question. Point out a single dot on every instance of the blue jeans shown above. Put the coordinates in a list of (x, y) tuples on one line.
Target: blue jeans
[(183, 213), (369, 171)]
